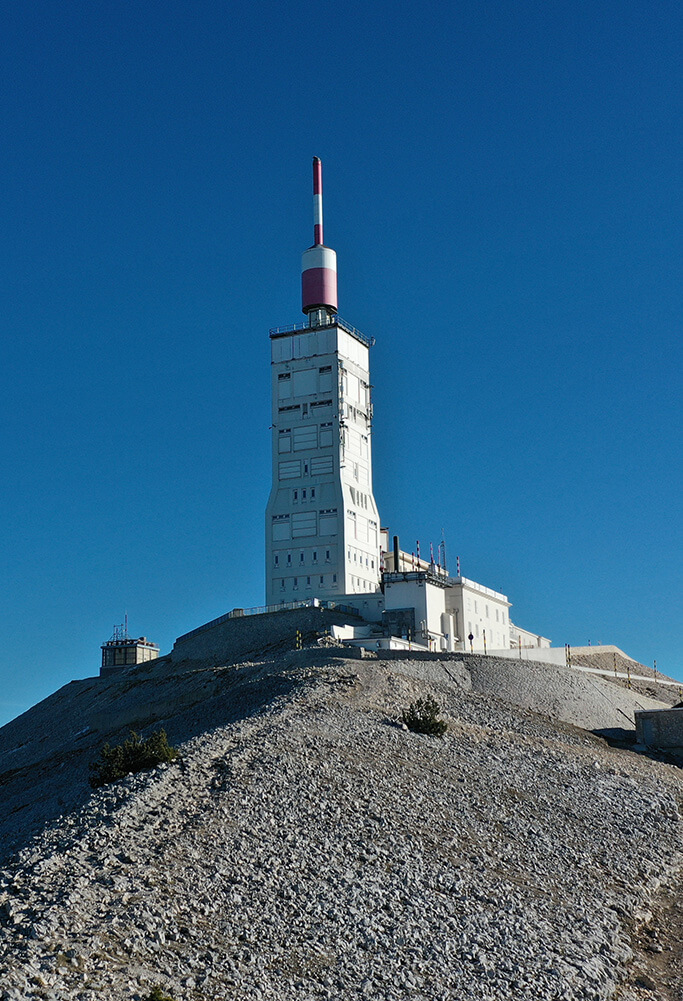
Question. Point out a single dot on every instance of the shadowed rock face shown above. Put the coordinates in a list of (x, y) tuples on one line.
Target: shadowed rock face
[(308, 847)]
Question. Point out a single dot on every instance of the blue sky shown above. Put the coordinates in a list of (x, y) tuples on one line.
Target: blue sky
[(502, 187)]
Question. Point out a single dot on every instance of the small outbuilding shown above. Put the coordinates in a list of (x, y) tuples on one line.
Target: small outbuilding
[(123, 650), (660, 728)]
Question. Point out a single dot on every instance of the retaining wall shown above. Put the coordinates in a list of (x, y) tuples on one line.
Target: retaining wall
[(228, 641)]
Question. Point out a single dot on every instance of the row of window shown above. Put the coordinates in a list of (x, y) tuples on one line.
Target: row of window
[(492, 639), (307, 582), (500, 613), (356, 556), (304, 556), (357, 496), (304, 494), (302, 408)]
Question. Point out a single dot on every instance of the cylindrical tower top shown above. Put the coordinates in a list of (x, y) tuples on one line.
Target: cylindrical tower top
[(318, 263)]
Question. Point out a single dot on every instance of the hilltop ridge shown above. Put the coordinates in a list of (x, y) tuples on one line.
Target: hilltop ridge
[(308, 847)]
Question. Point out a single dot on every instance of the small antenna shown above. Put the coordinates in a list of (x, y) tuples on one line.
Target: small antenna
[(317, 202)]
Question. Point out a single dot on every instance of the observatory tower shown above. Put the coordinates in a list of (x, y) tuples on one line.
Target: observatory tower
[(322, 528)]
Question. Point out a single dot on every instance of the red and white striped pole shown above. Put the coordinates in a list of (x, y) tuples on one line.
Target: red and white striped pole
[(318, 263), (317, 201)]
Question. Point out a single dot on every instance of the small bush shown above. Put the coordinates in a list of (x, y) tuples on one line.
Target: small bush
[(157, 994), (134, 755), (421, 717)]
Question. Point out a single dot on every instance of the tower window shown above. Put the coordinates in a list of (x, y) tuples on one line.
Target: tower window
[(322, 579), (296, 582), (301, 557), (315, 555), (289, 559), (277, 561)]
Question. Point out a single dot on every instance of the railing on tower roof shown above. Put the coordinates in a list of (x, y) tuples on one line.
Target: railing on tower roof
[(334, 321)]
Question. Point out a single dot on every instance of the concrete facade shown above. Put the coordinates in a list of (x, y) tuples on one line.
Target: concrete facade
[(322, 526), (479, 611), (422, 595), (523, 639)]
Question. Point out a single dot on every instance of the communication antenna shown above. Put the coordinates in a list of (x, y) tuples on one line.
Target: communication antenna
[(121, 631), (318, 263)]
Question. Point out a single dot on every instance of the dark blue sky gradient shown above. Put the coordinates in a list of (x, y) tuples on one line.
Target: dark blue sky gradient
[(503, 189)]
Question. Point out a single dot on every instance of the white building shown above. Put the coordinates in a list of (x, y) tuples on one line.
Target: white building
[(323, 539), (322, 528), (481, 617)]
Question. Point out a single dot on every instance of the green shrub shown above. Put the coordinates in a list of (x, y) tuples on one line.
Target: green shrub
[(421, 717), (134, 755), (157, 994)]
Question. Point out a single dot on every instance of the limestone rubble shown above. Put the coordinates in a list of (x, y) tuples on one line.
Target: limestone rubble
[(308, 847)]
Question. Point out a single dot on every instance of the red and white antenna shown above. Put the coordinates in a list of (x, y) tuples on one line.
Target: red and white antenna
[(318, 263), (317, 201)]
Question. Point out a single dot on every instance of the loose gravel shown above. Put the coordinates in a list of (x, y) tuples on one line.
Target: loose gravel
[(308, 847)]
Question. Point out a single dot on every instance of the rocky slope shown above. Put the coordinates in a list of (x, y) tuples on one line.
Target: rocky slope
[(307, 847)]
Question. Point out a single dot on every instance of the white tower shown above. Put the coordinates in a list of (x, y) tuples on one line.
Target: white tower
[(322, 528)]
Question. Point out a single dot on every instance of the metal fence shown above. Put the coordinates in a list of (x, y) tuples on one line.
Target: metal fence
[(335, 321)]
